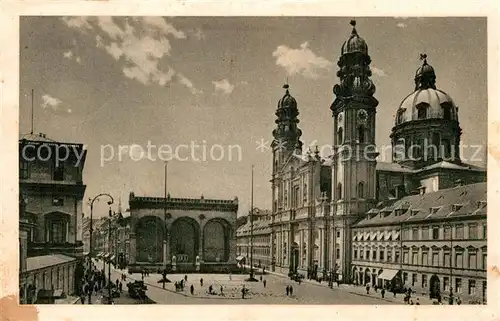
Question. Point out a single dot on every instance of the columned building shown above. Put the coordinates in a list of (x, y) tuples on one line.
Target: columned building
[(182, 233)]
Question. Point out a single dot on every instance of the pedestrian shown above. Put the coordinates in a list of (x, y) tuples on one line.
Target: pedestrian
[(367, 288), (459, 301), (439, 298), (261, 278), (382, 292), (287, 290), (121, 287), (394, 292), (192, 289), (230, 276), (264, 282), (82, 298), (201, 282), (185, 278), (210, 289), (291, 290), (221, 290), (243, 291), (418, 303)]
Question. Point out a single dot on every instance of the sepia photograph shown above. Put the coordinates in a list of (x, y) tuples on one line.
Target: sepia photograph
[(193, 160)]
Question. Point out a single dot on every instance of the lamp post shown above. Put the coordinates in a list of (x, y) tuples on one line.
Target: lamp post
[(251, 230), (165, 220), (92, 230)]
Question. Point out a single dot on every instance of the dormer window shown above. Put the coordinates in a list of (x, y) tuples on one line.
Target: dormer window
[(446, 111), (433, 210), (400, 116), (414, 212), (422, 111), (481, 204), (456, 207)]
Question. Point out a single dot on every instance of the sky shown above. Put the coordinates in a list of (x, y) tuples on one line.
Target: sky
[(171, 82)]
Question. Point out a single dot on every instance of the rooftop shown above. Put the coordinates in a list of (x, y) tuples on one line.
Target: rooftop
[(40, 262), (137, 202), (460, 201)]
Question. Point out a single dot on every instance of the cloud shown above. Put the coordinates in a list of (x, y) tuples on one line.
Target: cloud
[(140, 45), (69, 55), (300, 61), (49, 101), (186, 82), (378, 72), (401, 25), (197, 33), (223, 86)]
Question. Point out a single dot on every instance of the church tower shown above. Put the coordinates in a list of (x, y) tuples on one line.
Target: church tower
[(286, 142), (354, 151)]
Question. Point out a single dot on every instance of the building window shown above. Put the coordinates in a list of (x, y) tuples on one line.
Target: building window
[(58, 172), (339, 191), (425, 258), (405, 277), (459, 260), (374, 255), (367, 254), (447, 232), (446, 112), (338, 234), (446, 284), (355, 255), (361, 255), (472, 287), (472, 260), (360, 190), (473, 231), (340, 136), (337, 254), (389, 255), (414, 257), (424, 281), (484, 262), (381, 255), (459, 231), (425, 233), (406, 257), (57, 231), (24, 169), (435, 233), (361, 134), (305, 193), (415, 234), (413, 279), (435, 258), (485, 232), (422, 111), (458, 285)]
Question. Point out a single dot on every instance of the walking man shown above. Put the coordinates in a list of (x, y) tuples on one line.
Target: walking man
[(201, 282), (264, 282), (191, 289), (291, 290), (287, 290), (382, 292)]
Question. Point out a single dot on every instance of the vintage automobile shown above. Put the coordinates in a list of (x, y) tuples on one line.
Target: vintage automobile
[(137, 289)]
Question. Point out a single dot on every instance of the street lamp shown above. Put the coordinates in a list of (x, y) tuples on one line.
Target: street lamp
[(92, 230)]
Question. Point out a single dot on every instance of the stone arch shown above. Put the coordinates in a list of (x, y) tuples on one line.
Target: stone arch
[(150, 233), (185, 239), (217, 234)]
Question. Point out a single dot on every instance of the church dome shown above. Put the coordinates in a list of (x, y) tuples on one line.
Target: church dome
[(287, 101), (355, 43), (426, 102)]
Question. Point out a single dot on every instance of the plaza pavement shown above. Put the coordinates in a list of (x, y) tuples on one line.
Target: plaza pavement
[(273, 293)]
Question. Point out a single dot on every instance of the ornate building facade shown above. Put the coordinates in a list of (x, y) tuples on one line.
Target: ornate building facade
[(51, 191), (318, 203), (255, 236), (182, 234)]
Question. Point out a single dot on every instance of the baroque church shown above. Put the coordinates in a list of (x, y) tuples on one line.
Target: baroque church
[(317, 202)]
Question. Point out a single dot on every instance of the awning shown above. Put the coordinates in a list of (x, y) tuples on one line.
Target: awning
[(388, 274), (240, 258)]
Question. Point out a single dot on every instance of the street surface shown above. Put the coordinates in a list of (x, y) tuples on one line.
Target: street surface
[(273, 293)]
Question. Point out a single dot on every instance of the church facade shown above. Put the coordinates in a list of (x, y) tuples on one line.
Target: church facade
[(319, 203)]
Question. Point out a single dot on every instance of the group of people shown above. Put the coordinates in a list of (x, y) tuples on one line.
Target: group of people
[(93, 282)]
